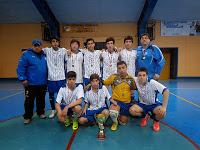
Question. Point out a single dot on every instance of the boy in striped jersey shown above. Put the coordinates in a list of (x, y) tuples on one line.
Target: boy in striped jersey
[(148, 101), (95, 100), (91, 60), (129, 55), (56, 58), (110, 58), (75, 61), (69, 100), (95, 104)]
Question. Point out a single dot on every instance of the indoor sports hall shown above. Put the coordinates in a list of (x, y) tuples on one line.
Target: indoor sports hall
[(173, 25)]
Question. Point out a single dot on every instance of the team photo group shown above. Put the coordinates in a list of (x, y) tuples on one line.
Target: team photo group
[(89, 86)]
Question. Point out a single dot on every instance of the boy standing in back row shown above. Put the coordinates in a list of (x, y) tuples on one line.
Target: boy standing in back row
[(75, 61), (56, 58), (129, 55)]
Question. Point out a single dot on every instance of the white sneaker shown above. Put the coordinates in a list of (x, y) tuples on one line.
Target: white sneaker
[(42, 116), (52, 113), (27, 121)]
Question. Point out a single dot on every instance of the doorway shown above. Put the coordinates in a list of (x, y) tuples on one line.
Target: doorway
[(170, 69)]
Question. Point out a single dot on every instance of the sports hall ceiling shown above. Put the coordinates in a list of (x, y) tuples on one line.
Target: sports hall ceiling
[(98, 11)]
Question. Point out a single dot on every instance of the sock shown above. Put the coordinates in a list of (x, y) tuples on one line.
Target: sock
[(114, 115)]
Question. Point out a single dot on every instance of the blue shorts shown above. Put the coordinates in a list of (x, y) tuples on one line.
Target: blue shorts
[(54, 86), (149, 108), (70, 112), (124, 108), (90, 114)]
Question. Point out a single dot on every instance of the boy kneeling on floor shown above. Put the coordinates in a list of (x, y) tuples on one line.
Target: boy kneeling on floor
[(69, 100), (95, 103), (148, 101)]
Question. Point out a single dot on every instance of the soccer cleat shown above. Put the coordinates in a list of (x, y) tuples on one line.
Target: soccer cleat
[(144, 120), (75, 125), (114, 126), (156, 126), (67, 122), (52, 114)]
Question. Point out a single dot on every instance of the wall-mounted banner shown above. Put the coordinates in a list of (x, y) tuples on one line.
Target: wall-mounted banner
[(181, 28)]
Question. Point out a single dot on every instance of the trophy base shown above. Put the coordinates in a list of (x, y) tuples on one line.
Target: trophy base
[(101, 136)]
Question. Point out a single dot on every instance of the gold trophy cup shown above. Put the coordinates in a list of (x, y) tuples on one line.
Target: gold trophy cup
[(100, 118)]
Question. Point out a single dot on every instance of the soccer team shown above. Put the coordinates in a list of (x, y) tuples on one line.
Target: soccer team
[(78, 80)]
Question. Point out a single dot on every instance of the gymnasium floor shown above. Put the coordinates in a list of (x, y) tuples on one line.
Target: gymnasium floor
[(179, 130)]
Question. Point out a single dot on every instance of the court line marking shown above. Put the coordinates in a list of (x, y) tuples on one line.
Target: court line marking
[(187, 101), (6, 97), (11, 118), (182, 134), (71, 140), (3, 90)]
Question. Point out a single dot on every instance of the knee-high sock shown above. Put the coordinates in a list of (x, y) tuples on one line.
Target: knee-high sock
[(114, 115), (75, 116)]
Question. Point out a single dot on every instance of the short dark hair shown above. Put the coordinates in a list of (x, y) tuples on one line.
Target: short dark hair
[(89, 39), (145, 34), (94, 76), (71, 74), (143, 69), (121, 63), (110, 39), (55, 38), (75, 41), (128, 38)]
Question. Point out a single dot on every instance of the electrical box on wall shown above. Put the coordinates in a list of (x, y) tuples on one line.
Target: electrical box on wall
[(46, 32), (151, 29)]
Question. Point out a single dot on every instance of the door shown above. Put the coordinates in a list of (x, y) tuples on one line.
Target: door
[(165, 74)]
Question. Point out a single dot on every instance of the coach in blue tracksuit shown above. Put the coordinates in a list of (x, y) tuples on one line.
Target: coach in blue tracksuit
[(32, 72), (149, 56)]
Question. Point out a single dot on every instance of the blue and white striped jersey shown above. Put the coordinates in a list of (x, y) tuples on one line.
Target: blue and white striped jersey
[(56, 63)]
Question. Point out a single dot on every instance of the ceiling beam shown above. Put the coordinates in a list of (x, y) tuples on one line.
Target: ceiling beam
[(144, 17), (48, 16)]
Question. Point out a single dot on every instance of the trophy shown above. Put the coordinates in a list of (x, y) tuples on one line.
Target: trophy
[(100, 118)]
